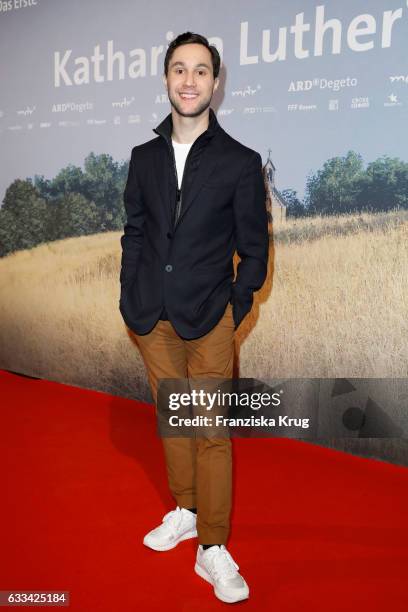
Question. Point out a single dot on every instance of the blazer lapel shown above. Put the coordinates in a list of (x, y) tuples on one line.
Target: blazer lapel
[(163, 184), (208, 163)]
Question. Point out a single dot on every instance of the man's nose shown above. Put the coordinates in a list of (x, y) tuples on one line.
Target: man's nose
[(189, 79)]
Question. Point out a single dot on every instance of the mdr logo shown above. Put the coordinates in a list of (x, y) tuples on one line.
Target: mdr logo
[(14, 5)]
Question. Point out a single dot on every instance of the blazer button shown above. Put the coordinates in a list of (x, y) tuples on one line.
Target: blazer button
[(168, 268)]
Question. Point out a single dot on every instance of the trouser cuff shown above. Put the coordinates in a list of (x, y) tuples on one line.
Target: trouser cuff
[(186, 501), (212, 535)]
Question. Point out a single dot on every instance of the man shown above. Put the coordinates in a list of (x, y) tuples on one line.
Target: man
[(194, 196)]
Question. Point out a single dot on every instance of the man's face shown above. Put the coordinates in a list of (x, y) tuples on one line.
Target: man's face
[(190, 83)]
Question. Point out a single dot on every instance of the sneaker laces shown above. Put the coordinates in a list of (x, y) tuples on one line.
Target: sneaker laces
[(173, 518), (222, 564)]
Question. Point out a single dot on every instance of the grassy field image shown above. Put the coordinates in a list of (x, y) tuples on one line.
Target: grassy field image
[(335, 304)]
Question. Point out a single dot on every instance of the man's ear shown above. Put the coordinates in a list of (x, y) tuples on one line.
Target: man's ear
[(216, 83), (164, 81)]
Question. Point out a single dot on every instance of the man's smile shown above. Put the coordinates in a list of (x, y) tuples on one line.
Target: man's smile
[(188, 96)]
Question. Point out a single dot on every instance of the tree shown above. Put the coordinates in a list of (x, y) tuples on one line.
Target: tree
[(72, 215), (384, 185), (73, 203), (295, 207), (334, 189), (22, 218), (104, 185)]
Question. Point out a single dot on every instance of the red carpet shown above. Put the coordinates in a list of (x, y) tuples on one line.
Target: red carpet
[(84, 479)]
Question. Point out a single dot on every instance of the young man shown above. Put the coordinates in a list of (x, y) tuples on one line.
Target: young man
[(194, 196)]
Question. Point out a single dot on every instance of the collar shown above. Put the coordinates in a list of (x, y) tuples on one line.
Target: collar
[(165, 128)]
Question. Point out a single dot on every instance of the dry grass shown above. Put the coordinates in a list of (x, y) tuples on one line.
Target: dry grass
[(335, 304), (313, 228)]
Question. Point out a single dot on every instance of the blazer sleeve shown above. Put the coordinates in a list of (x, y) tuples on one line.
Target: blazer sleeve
[(252, 238), (132, 238)]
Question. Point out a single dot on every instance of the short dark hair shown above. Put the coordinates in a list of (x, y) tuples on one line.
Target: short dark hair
[(190, 37)]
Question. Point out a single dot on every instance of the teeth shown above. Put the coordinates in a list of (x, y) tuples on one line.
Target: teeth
[(188, 95)]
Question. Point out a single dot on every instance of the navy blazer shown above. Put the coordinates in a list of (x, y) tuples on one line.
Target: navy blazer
[(178, 246)]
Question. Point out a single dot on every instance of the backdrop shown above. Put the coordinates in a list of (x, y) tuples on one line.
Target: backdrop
[(319, 89)]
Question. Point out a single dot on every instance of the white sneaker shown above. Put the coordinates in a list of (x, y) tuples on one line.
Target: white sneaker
[(177, 525), (216, 565)]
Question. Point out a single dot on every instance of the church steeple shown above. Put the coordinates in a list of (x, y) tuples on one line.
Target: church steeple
[(270, 170), (275, 204)]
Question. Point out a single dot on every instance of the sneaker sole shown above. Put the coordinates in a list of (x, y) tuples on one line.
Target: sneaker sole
[(185, 536), (203, 574)]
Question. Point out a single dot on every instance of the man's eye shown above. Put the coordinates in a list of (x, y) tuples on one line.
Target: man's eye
[(201, 72)]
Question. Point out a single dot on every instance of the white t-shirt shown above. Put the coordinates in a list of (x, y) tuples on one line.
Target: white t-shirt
[(180, 153)]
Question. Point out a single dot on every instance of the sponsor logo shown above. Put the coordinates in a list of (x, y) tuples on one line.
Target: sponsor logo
[(392, 100), (399, 79), (116, 120), (123, 103), (45, 124), (322, 83), (65, 123), (134, 119), (248, 91), (26, 111), (302, 107), (95, 121), (259, 109), (72, 107), (360, 103), (14, 128), (333, 105), (1, 114), (162, 98), (225, 111)]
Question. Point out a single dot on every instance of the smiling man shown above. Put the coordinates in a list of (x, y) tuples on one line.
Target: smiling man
[(194, 195)]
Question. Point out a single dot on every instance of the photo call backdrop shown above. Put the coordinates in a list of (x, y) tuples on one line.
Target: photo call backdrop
[(319, 89)]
